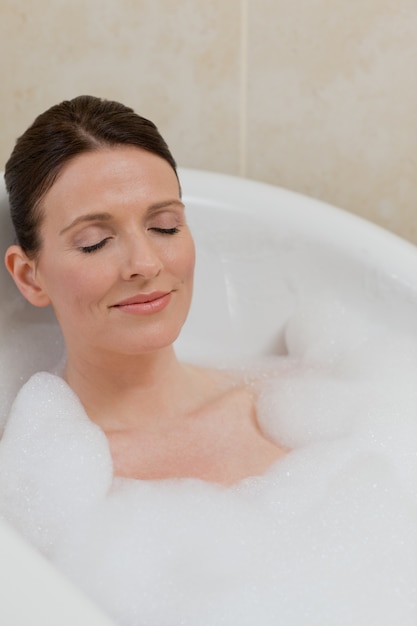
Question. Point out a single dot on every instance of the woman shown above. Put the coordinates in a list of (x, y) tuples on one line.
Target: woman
[(102, 238)]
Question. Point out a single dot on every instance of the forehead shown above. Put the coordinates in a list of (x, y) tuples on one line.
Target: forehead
[(112, 176)]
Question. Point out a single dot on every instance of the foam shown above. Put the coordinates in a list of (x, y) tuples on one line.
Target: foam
[(326, 536)]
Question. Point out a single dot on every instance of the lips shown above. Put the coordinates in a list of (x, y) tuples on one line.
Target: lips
[(142, 298), (144, 303)]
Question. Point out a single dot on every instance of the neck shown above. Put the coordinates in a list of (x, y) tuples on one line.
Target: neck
[(109, 387)]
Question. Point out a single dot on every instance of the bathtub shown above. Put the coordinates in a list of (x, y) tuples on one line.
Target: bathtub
[(263, 253)]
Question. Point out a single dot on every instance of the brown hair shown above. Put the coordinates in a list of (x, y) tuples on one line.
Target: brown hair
[(83, 124)]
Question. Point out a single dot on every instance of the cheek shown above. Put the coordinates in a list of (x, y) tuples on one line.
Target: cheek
[(89, 286), (187, 260), (179, 259), (72, 286)]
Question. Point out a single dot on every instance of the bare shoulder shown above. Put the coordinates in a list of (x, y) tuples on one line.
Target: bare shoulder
[(214, 435), (251, 376), (228, 398), (221, 385)]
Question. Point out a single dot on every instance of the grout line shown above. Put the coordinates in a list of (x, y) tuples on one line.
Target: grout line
[(243, 92)]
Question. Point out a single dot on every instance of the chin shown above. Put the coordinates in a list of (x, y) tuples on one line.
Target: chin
[(153, 342)]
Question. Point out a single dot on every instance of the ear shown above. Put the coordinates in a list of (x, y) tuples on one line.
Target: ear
[(23, 272)]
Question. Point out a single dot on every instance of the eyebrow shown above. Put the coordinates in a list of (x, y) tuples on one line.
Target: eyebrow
[(106, 217)]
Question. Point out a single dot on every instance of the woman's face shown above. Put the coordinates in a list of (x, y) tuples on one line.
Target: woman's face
[(117, 258)]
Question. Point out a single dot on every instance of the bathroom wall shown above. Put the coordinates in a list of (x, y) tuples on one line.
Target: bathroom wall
[(319, 96)]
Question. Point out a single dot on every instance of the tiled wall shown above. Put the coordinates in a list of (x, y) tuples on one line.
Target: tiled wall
[(316, 95)]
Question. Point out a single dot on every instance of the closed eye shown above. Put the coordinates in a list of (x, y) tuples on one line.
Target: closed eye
[(102, 243), (166, 231), (94, 246)]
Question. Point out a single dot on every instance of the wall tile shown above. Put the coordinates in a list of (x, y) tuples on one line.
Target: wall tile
[(332, 95), (331, 86), (175, 62)]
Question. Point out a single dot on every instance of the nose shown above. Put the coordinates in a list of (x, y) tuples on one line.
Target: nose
[(141, 259)]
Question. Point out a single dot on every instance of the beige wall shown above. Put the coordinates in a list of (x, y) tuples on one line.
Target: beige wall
[(319, 96)]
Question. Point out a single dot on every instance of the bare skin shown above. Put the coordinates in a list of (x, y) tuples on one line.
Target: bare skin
[(116, 264), (199, 424)]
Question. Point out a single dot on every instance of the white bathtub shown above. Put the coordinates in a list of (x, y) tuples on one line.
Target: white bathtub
[(262, 253)]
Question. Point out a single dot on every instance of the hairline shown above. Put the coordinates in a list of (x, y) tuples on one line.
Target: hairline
[(51, 178)]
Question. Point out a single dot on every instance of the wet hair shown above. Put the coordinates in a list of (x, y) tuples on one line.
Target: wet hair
[(83, 124)]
